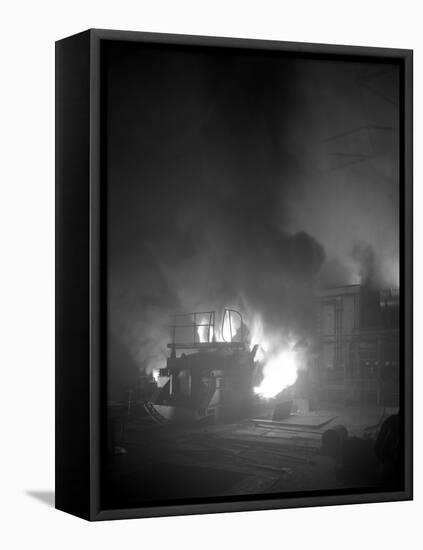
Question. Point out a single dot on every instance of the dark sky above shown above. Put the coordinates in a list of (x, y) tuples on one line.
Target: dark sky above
[(244, 179)]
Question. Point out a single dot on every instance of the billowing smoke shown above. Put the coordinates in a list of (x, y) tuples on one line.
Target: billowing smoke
[(228, 186), (347, 135), (367, 261)]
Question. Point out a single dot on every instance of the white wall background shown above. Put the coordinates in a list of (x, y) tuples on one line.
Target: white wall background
[(28, 31)]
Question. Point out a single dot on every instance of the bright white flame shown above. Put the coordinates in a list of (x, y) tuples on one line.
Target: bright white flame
[(279, 359), (205, 330), (226, 330), (231, 324), (225, 333), (156, 375), (256, 332), (279, 372), (275, 353), (201, 334)]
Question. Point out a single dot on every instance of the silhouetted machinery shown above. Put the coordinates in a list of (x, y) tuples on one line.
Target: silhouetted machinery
[(209, 373)]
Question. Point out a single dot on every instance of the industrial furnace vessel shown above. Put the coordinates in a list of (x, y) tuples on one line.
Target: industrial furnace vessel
[(210, 371)]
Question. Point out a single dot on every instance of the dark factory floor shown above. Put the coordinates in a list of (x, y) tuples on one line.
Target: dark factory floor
[(151, 463)]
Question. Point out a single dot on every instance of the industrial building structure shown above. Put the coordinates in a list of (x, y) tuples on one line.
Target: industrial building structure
[(358, 346)]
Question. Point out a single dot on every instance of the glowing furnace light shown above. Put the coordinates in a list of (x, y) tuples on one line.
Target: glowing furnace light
[(231, 325), (227, 329), (257, 337), (201, 333), (279, 372), (205, 330)]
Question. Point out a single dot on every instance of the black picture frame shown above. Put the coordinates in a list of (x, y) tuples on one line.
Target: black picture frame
[(80, 282)]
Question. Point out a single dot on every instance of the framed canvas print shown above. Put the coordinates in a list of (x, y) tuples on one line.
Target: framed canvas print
[(233, 274)]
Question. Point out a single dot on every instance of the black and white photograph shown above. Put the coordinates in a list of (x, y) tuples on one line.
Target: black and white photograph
[(210, 292), (253, 274)]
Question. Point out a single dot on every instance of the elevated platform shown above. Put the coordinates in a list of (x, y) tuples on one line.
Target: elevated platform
[(208, 345)]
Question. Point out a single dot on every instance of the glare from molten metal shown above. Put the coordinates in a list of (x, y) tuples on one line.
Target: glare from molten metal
[(228, 331), (203, 331), (278, 358), (279, 372), (275, 353)]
